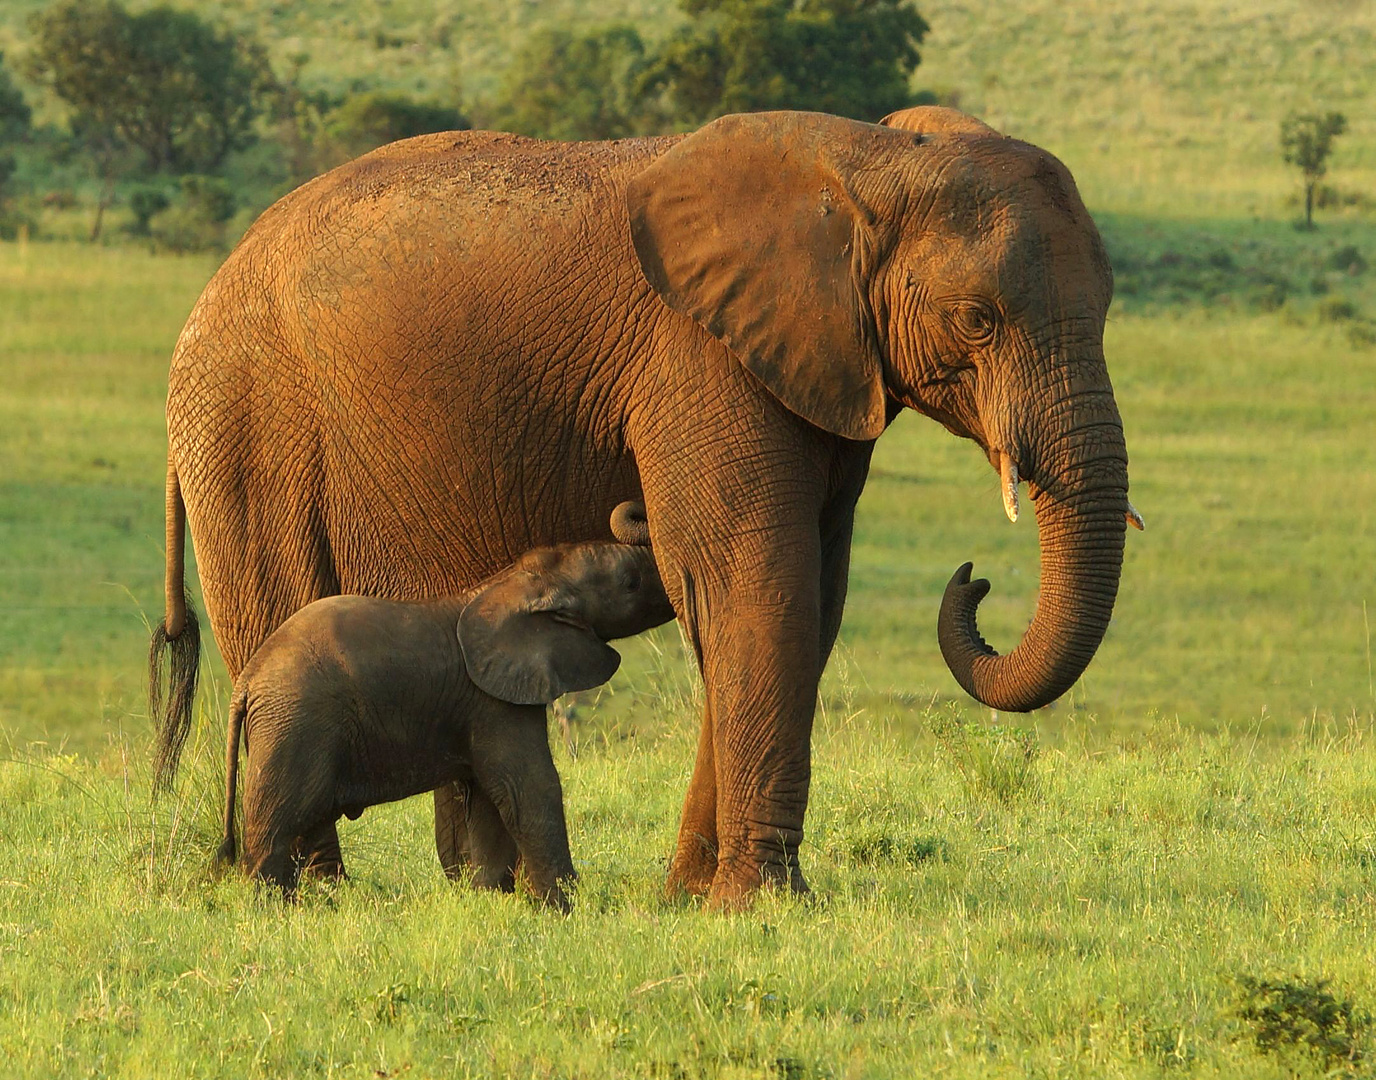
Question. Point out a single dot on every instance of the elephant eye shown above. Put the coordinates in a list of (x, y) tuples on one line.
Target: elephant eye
[(978, 322)]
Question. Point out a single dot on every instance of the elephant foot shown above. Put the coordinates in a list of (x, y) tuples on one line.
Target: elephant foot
[(738, 881), (320, 856), (693, 869)]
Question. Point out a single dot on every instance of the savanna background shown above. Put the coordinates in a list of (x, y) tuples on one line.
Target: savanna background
[(1171, 870)]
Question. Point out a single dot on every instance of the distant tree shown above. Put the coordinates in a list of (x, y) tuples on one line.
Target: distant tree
[(196, 220), (574, 84), (165, 81), (366, 121), (110, 158), (7, 170), (15, 115), (851, 57), (1306, 140), (298, 117), (143, 204)]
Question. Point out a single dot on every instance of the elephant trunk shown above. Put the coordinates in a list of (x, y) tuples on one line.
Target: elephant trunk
[(630, 525), (1081, 521)]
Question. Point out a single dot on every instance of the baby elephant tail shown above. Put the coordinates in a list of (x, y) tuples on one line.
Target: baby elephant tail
[(238, 707)]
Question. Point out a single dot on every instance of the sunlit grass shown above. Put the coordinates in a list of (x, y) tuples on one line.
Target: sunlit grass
[(1092, 924)]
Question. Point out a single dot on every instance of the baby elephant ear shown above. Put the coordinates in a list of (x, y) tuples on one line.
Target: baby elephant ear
[(527, 656)]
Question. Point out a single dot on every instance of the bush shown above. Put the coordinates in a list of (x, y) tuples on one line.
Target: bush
[(1337, 310), (144, 203), (13, 221), (165, 81), (367, 121), (196, 221), (575, 85), (850, 57), (997, 761), (1300, 1014), (1347, 259), (15, 116)]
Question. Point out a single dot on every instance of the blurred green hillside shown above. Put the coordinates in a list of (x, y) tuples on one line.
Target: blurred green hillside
[(1167, 113), (1167, 107)]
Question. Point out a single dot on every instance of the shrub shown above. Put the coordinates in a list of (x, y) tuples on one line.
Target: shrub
[(1337, 310), (366, 121), (15, 116), (163, 80), (144, 203), (997, 761), (1347, 259), (196, 221), (850, 57), (1301, 1014), (568, 84), (875, 848)]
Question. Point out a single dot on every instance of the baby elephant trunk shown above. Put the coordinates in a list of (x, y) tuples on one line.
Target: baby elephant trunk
[(630, 525)]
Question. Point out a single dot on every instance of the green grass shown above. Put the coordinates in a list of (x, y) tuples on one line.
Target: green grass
[(1088, 896), (1095, 920)]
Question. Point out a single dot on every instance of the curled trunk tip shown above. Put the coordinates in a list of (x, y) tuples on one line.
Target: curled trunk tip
[(630, 525)]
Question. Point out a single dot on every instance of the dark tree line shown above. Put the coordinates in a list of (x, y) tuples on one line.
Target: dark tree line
[(165, 99), (850, 57)]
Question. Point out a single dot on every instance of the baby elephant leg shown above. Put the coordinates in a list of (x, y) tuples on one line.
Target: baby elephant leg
[(319, 854), (469, 833), (271, 855), (514, 769), (494, 852)]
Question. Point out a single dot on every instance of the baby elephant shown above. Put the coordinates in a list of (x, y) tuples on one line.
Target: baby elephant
[(356, 700)]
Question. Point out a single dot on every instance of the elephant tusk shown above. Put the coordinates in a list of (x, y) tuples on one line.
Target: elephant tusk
[(1008, 476), (1135, 519)]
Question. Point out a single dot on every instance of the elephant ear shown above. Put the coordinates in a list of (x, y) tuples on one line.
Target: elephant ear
[(936, 119), (522, 648), (747, 226)]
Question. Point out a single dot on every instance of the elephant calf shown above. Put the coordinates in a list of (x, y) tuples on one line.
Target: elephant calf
[(358, 700)]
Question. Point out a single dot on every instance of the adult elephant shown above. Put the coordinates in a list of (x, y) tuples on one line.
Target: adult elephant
[(463, 346)]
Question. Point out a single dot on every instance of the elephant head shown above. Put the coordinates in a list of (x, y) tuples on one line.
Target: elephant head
[(928, 262), (540, 628)]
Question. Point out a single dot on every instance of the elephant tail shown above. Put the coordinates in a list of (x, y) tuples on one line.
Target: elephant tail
[(238, 707), (174, 654)]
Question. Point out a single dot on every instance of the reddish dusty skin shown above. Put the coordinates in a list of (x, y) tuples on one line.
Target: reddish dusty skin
[(462, 346)]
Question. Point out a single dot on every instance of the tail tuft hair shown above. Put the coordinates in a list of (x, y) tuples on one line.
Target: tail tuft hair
[(172, 715)]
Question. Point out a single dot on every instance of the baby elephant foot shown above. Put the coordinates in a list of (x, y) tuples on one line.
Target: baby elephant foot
[(554, 893), (500, 878), (320, 858)]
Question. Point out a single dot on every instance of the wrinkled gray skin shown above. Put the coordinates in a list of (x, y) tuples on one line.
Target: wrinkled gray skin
[(358, 700)]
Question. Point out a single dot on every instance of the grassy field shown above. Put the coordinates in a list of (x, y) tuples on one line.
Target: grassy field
[(985, 910), (1085, 897)]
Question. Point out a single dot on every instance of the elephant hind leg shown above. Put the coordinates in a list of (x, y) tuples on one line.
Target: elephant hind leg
[(272, 857), (695, 858), (469, 833), (493, 850), (451, 828), (319, 853)]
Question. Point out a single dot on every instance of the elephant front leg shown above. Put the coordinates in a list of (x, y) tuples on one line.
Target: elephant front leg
[(694, 865), (320, 854), (469, 833), (515, 771), (761, 667)]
